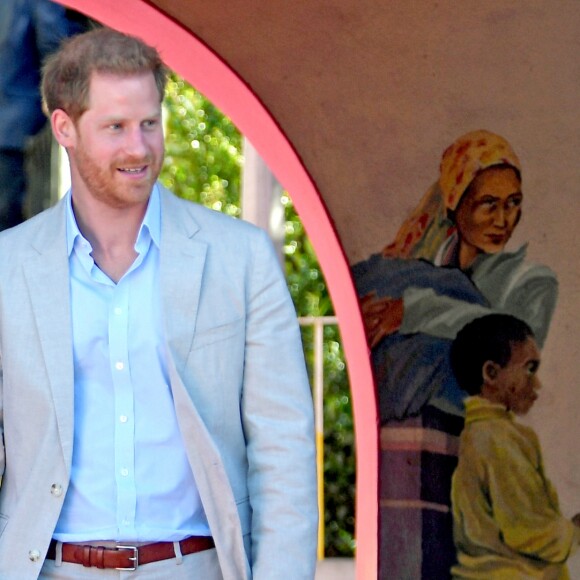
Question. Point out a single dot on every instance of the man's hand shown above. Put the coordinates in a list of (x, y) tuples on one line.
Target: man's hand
[(381, 315)]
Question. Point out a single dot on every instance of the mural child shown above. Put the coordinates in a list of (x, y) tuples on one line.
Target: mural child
[(506, 520), (446, 267)]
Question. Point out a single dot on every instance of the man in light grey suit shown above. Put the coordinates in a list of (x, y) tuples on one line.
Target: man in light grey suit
[(155, 410)]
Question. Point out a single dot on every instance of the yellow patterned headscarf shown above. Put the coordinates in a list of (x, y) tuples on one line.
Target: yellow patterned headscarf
[(428, 226)]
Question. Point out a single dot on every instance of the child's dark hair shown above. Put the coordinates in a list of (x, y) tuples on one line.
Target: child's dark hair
[(489, 338)]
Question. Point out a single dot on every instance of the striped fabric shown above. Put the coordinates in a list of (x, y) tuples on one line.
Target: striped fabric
[(417, 458)]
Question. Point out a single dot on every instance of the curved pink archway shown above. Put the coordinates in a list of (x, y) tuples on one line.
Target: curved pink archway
[(189, 57)]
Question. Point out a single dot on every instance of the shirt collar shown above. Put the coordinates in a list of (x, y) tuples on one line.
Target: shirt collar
[(151, 222), (151, 225), (478, 408)]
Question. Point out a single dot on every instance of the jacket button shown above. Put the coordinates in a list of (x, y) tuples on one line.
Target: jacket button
[(56, 490), (34, 555)]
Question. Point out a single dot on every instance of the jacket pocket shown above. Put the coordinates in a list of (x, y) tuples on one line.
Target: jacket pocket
[(205, 337)]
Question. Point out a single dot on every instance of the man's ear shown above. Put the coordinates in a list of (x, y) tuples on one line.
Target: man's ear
[(489, 371), (63, 128)]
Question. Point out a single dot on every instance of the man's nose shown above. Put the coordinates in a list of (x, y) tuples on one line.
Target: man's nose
[(135, 143)]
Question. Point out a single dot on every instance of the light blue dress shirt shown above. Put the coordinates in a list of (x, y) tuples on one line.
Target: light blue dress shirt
[(130, 478)]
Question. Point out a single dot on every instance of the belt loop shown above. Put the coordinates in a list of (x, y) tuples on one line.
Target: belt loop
[(86, 551), (178, 554), (100, 558), (58, 554)]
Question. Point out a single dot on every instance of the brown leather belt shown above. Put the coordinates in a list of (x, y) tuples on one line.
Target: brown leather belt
[(125, 556)]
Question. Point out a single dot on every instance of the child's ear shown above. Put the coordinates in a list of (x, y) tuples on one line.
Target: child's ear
[(490, 371)]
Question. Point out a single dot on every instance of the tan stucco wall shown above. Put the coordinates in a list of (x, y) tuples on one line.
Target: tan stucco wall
[(371, 92)]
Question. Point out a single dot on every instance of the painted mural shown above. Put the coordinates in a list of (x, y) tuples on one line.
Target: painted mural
[(446, 267), (507, 521)]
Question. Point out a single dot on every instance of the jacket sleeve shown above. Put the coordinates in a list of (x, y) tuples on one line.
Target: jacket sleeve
[(524, 502), (277, 418), (2, 450), (51, 25)]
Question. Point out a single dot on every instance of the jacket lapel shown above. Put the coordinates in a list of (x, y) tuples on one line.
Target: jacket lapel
[(182, 263), (47, 277)]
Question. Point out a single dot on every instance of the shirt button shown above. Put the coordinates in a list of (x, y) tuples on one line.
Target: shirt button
[(119, 366), (118, 311), (56, 490), (34, 555), (123, 418), (124, 472)]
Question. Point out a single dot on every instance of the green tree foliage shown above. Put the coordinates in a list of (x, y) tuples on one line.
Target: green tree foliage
[(310, 294), (203, 150), (203, 163)]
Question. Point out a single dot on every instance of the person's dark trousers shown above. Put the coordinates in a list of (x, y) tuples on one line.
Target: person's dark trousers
[(12, 187)]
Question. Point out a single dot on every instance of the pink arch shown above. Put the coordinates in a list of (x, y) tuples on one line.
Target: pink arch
[(188, 56)]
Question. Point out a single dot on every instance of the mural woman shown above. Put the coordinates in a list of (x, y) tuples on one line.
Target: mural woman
[(446, 266)]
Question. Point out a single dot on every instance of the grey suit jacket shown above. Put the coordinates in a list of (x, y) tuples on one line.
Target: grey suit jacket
[(237, 375)]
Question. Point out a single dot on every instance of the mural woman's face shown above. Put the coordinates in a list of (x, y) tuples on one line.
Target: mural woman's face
[(488, 213)]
